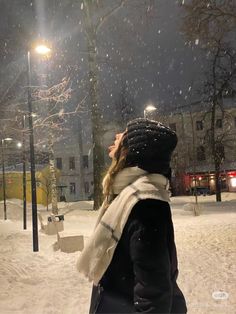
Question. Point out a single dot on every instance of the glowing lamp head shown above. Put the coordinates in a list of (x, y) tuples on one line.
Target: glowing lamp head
[(150, 108), (43, 50)]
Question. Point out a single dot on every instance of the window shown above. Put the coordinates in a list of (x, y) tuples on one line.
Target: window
[(172, 126), (86, 187), (59, 163), (85, 161), (201, 153), (199, 125), (72, 188), (71, 163), (219, 123), (235, 121)]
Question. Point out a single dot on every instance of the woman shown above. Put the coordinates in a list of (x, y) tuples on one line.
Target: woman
[(131, 256)]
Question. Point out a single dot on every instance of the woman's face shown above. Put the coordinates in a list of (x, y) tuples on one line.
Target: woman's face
[(113, 148)]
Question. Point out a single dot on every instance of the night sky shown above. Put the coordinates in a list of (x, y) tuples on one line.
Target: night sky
[(154, 59), (146, 49), (140, 47)]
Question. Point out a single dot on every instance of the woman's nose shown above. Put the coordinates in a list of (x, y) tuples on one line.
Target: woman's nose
[(118, 135)]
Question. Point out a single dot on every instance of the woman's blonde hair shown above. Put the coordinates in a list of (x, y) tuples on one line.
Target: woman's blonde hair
[(118, 163)]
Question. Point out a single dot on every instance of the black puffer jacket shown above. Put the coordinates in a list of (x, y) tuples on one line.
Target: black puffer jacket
[(142, 274)]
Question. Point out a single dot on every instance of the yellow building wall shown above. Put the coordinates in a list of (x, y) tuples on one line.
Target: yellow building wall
[(14, 186)]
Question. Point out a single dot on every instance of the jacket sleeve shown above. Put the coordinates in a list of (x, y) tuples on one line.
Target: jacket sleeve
[(150, 257)]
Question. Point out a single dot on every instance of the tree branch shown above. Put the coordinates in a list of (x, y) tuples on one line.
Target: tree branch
[(108, 15), (61, 114), (10, 86)]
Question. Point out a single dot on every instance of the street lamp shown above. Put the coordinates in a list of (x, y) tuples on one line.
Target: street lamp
[(149, 110), (3, 176), (22, 145), (24, 174), (42, 50)]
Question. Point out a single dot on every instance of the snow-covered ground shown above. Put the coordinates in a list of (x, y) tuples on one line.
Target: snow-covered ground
[(48, 282)]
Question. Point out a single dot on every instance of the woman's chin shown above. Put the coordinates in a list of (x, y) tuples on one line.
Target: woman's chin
[(111, 154)]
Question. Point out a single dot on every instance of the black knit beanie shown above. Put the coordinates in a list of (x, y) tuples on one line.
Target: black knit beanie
[(150, 145)]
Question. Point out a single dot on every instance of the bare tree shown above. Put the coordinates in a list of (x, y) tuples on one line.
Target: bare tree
[(44, 178), (95, 13), (211, 25), (92, 26), (205, 19), (45, 182), (95, 16), (51, 112), (53, 99)]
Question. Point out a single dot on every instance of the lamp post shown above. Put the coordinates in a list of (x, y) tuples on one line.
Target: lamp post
[(149, 110), (3, 177), (24, 175), (42, 50)]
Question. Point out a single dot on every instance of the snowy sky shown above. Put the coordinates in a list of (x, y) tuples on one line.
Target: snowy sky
[(139, 47)]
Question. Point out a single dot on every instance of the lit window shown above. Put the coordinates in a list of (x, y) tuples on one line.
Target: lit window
[(233, 182)]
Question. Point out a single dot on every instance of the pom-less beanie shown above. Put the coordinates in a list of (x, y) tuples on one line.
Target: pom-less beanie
[(150, 145)]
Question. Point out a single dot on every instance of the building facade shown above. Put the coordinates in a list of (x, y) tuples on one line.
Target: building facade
[(193, 161), (73, 157)]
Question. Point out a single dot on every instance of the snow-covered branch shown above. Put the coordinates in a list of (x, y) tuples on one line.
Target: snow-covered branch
[(58, 93), (59, 116)]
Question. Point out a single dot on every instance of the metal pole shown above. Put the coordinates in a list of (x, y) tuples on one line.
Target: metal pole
[(32, 162), (4, 182), (24, 176)]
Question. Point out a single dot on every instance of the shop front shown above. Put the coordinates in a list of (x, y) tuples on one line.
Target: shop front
[(204, 183)]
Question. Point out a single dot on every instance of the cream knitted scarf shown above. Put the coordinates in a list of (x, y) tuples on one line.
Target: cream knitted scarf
[(131, 184)]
